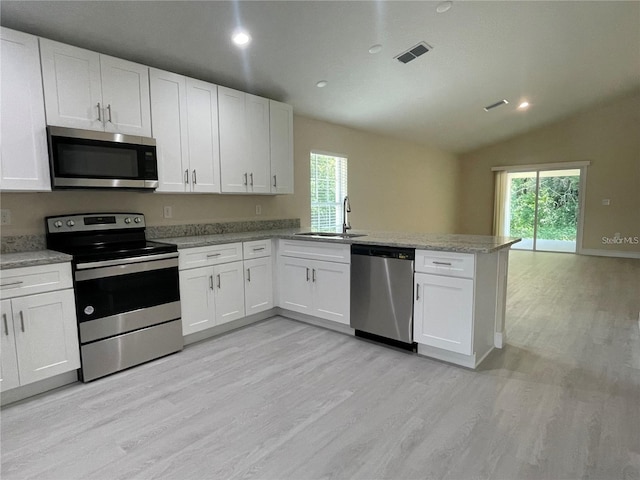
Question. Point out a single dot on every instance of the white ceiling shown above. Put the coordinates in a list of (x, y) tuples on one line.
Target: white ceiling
[(561, 56)]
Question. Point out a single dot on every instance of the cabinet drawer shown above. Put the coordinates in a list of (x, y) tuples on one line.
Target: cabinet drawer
[(450, 264), (330, 252), (16, 282), (209, 255), (257, 249)]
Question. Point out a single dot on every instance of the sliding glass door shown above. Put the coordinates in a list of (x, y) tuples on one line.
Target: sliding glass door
[(542, 207)]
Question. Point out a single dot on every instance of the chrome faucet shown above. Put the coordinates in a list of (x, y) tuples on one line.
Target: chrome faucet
[(346, 208)]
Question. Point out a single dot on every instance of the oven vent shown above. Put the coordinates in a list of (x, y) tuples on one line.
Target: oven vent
[(495, 105), (413, 52)]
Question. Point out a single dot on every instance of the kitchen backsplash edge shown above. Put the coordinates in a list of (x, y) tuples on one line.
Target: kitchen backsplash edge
[(30, 243)]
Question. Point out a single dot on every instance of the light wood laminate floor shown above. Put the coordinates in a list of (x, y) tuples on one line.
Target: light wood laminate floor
[(286, 400)]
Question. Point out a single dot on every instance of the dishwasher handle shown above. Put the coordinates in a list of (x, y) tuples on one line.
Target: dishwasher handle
[(384, 251)]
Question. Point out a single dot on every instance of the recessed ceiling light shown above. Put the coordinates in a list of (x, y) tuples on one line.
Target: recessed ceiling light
[(375, 49), (322, 84), (523, 105), (444, 7), (241, 38)]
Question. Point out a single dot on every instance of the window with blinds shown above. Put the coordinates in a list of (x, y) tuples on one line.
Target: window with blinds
[(328, 189)]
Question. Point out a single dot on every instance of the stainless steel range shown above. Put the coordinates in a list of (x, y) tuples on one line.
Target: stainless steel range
[(127, 290)]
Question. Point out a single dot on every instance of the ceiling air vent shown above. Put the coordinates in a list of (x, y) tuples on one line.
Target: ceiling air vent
[(495, 105), (413, 52)]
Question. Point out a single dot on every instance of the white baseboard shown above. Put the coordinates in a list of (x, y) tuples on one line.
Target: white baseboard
[(609, 253), (36, 388)]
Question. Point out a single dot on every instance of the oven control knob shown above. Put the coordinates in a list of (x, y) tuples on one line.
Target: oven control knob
[(58, 224), (70, 223), (127, 220), (137, 219)]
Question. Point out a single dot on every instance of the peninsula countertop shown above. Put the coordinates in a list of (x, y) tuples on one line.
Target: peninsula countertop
[(427, 241)]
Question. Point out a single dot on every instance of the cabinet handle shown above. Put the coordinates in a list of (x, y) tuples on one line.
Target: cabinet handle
[(210, 255), (313, 275), (245, 179), (251, 176), (6, 325), (186, 177), (211, 282), (307, 274), (109, 110), (248, 274), (99, 112), (442, 263), (275, 182), (258, 249), (195, 179), (11, 284), (219, 283), (21, 321), (417, 291)]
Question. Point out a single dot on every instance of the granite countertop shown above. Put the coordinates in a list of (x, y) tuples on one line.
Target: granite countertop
[(426, 241), (29, 259)]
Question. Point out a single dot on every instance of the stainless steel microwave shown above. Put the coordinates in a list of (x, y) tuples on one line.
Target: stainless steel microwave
[(88, 159)]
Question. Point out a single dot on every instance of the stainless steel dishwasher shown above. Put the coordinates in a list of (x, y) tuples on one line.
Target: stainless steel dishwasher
[(382, 294)]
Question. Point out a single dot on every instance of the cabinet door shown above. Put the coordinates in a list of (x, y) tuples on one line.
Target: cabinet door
[(72, 86), (331, 291), (229, 292), (169, 115), (196, 299), (125, 93), (24, 164), (46, 335), (204, 145), (281, 146), (258, 285), (233, 141), (443, 312), (8, 360), (257, 111), (294, 277)]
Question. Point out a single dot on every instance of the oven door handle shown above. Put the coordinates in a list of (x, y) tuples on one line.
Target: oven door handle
[(126, 261), (126, 269)]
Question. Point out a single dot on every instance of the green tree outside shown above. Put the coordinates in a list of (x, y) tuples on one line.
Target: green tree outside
[(557, 207)]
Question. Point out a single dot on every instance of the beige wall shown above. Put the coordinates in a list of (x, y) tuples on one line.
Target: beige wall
[(607, 135), (392, 186)]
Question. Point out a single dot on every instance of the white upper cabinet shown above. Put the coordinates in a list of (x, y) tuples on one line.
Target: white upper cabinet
[(259, 166), (84, 89), (281, 146), (185, 125), (244, 142), (125, 95), (204, 147), (24, 163), (169, 119)]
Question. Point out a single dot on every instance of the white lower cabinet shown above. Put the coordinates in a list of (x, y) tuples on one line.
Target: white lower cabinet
[(39, 337), (211, 296), (258, 286), (455, 313), (316, 288), (228, 292), (217, 286), (443, 312), (196, 299)]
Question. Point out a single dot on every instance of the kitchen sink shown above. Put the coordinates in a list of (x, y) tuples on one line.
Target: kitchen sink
[(331, 234)]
